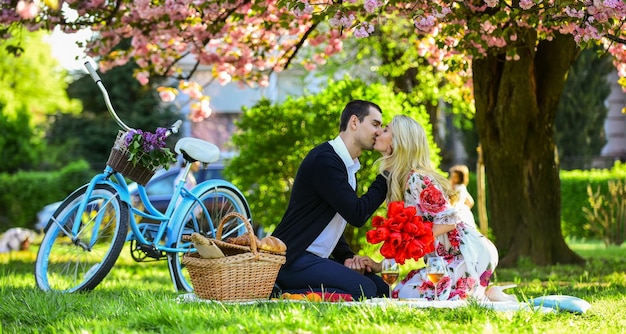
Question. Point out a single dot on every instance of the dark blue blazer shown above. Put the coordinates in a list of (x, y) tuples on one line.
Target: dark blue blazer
[(320, 190)]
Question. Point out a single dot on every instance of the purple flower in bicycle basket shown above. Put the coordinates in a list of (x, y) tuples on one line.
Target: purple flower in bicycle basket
[(149, 142), (148, 149)]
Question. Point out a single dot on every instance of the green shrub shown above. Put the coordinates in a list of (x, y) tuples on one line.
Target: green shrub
[(606, 214), (25, 193), (574, 198)]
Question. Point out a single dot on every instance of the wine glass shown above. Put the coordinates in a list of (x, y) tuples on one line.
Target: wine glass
[(390, 272), (435, 270)]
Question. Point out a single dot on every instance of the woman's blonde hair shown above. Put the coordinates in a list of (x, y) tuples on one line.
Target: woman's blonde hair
[(410, 152)]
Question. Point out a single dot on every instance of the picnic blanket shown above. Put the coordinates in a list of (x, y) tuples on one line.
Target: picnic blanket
[(545, 304)]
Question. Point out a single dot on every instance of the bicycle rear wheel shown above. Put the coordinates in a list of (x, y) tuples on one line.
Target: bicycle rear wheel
[(71, 262), (218, 201)]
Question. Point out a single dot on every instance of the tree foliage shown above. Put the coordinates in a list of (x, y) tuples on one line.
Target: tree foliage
[(246, 39), (34, 81), (32, 87), (19, 146), (274, 138)]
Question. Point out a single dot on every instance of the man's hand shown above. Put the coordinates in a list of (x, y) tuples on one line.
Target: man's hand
[(363, 264)]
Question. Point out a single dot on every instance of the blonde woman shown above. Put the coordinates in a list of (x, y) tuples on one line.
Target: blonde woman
[(470, 258)]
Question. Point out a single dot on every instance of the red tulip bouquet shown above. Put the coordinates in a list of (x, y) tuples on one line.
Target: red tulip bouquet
[(403, 234)]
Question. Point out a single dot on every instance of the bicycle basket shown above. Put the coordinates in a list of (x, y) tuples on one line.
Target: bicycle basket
[(246, 275), (118, 160)]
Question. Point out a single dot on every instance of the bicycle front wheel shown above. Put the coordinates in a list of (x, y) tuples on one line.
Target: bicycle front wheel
[(203, 217), (80, 248)]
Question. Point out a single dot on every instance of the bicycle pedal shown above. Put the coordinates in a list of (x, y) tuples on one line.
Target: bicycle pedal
[(151, 251)]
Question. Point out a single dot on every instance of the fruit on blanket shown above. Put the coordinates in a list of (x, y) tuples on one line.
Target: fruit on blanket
[(293, 296), (314, 297), (310, 297)]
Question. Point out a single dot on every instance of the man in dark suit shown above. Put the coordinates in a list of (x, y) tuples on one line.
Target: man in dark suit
[(323, 200)]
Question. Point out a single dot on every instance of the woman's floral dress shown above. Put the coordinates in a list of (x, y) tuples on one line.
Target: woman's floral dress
[(470, 256)]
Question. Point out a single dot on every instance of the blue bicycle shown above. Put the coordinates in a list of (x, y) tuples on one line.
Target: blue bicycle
[(85, 235)]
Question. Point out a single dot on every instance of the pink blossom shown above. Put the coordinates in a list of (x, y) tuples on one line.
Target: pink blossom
[(425, 23), (491, 3), (364, 30), (143, 77), (264, 34), (569, 28), (167, 94), (193, 89), (574, 13), (224, 78), (526, 4), (371, 5), (487, 27), (27, 10), (309, 66), (444, 12), (200, 110), (264, 81)]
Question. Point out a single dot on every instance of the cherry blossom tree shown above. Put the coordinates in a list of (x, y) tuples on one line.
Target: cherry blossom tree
[(516, 52)]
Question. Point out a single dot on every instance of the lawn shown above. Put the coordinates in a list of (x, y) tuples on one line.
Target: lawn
[(139, 298)]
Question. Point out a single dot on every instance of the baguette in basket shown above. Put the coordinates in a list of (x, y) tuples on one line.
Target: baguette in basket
[(206, 248)]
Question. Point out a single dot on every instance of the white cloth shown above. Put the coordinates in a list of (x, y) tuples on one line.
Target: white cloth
[(382, 302), (15, 238), (324, 244)]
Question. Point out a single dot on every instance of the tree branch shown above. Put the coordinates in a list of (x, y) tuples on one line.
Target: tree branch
[(297, 46), (615, 39)]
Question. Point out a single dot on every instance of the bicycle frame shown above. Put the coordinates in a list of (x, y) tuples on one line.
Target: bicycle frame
[(96, 217), (175, 210)]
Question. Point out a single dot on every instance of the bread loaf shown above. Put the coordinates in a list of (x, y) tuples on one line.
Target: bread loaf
[(272, 244), (242, 240)]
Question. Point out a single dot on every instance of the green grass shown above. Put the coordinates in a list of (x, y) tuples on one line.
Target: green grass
[(139, 298)]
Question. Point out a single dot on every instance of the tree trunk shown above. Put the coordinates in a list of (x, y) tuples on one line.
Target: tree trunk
[(516, 102)]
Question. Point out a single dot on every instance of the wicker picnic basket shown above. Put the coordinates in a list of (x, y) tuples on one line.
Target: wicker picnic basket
[(118, 160), (245, 273)]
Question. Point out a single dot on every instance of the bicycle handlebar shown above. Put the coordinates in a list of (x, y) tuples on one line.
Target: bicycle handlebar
[(107, 100), (174, 128), (105, 94)]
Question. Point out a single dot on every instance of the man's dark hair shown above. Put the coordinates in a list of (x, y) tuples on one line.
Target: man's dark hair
[(359, 108)]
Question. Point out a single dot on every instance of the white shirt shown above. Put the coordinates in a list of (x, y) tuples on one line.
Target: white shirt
[(327, 240)]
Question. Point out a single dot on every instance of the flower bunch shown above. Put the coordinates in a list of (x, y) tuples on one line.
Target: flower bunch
[(403, 234), (148, 149)]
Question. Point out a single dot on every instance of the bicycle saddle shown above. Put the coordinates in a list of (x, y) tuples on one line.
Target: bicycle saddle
[(195, 149)]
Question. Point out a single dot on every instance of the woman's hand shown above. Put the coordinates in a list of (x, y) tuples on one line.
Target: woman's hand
[(373, 266)]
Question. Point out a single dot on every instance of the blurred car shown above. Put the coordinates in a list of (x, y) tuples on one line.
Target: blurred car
[(159, 190)]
